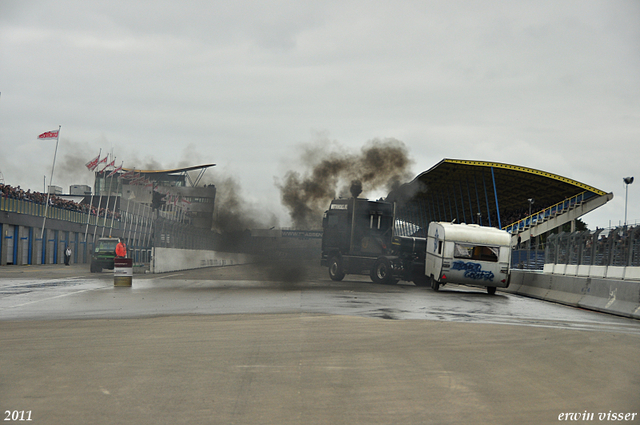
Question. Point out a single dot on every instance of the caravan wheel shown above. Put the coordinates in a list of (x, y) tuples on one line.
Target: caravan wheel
[(435, 285)]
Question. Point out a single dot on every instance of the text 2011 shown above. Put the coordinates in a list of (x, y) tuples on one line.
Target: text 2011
[(17, 415)]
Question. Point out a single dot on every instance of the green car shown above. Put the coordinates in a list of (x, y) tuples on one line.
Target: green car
[(103, 254)]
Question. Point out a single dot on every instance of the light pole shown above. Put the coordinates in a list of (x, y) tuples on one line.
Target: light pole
[(531, 201), (627, 181)]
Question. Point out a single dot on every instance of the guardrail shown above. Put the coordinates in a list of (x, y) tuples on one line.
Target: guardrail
[(38, 210), (548, 213)]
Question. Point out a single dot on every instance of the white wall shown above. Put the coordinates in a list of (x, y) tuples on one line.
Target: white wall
[(170, 259)]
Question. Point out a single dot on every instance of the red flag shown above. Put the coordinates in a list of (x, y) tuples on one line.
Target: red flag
[(115, 171), (53, 134), (102, 161), (129, 174), (91, 165), (111, 164)]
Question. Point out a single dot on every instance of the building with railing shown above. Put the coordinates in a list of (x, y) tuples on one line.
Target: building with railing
[(172, 215), (25, 242)]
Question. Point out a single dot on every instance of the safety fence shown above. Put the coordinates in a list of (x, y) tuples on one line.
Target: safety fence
[(527, 259), (619, 246)]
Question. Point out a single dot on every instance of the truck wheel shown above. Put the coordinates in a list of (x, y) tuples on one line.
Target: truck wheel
[(382, 273), (491, 290), (435, 285), (336, 271), (92, 267)]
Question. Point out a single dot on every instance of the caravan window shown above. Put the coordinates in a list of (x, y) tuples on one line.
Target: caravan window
[(476, 252)]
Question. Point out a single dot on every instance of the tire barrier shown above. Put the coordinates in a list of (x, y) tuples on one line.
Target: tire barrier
[(614, 296), (122, 272)]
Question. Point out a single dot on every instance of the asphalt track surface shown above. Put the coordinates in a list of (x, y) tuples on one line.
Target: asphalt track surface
[(285, 345)]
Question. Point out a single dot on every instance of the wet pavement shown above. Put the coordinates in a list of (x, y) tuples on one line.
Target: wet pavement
[(73, 293), (284, 344)]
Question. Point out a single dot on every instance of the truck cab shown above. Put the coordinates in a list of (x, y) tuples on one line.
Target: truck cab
[(467, 254), (103, 254), (355, 233)]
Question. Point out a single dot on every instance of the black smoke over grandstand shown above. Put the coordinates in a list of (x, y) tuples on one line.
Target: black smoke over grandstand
[(233, 211), (235, 215), (380, 165), (71, 164)]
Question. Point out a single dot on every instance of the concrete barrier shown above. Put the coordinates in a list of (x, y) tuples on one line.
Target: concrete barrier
[(539, 290), (515, 282), (613, 296), (614, 272), (170, 259), (632, 273), (559, 268), (598, 271), (566, 289), (583, 271)]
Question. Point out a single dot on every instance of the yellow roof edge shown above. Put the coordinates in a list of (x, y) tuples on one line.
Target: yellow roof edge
[(526, 170), (175, 170)]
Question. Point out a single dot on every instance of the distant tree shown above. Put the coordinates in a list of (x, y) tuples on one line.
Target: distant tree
[(580, 226)]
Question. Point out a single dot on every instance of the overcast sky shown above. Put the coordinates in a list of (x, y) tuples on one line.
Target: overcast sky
[(551, 85)]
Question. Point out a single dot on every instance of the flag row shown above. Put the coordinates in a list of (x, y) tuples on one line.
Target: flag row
[(97, 162), (134, 177)]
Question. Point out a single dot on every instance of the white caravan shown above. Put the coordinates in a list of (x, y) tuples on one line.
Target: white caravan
[(467, 254)]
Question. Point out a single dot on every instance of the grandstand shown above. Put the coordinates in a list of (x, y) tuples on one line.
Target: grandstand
[(524, 201), (171, 191)]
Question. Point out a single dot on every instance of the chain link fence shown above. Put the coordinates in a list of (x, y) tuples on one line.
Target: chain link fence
[(618, 246)]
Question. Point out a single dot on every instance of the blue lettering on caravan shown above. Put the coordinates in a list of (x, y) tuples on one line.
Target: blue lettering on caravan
[(473, 270)]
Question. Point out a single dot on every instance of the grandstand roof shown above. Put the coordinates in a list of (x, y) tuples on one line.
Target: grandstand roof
[(460, 189), (174, 170)]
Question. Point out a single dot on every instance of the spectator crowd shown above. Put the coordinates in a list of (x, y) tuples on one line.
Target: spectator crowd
[(55, 201)]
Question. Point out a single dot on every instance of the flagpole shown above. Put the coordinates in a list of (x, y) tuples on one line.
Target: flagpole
[(113, 213), (46, 207), (95, 230), (91, 200), (126, 218), (106, 213)]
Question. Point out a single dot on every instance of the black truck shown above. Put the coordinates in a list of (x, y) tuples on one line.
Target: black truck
[(358, 239)]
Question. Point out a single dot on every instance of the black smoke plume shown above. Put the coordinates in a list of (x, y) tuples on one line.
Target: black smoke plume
[(233, 212), (381, 164)]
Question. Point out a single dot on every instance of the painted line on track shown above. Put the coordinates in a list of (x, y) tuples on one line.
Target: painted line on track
[(53, 298)]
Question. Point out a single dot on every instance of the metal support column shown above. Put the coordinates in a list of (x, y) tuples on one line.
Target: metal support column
[(495, 193)]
